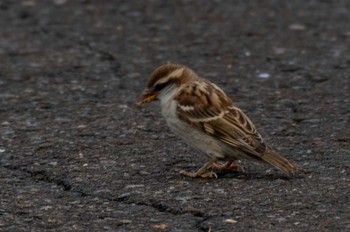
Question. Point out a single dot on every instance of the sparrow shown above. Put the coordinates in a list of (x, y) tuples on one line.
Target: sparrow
[(200, 113)]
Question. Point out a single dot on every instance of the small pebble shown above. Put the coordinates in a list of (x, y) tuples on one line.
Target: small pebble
[(81, 126), (230, 221), (264, 75), (297, 27), (123, 195), (160, 226)]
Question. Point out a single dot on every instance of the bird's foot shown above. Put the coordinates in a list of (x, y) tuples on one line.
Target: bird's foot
[(229, 166), (197, 174)]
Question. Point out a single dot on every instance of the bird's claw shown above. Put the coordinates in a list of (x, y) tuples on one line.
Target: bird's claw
[(202, 175)]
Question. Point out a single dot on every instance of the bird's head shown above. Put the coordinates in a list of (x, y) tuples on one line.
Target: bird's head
[(163, 77)]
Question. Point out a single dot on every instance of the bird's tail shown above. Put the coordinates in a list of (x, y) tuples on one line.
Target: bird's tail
[(289, 168)]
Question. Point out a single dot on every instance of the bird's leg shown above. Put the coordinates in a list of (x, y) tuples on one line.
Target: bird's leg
[(202, 171), (229, 166)]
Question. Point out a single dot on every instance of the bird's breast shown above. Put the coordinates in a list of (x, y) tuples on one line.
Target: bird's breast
[(198, 140)]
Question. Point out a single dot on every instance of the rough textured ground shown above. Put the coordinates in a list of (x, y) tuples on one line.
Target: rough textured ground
[(78, 155)]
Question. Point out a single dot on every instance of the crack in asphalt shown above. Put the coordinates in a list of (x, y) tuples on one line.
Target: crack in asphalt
[(115, 66), (47, 177)]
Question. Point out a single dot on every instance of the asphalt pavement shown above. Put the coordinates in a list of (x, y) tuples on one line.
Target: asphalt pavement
[(77, 153)]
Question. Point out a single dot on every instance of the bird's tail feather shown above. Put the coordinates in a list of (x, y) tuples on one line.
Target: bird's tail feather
[(281, 163)]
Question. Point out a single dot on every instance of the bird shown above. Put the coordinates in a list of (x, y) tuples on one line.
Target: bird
[(199, 112)]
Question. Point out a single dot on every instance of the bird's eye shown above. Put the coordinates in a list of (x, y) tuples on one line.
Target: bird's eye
[(160, 86)]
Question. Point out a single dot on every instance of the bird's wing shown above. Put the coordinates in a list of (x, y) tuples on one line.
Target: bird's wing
[(206, 107)]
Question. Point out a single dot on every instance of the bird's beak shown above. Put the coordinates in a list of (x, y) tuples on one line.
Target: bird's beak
[(148, 96)]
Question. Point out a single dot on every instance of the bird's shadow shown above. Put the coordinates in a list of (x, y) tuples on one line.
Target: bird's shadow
[(256, 176)]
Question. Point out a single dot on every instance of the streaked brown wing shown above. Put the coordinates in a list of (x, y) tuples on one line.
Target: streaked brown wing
[(206, 107)]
